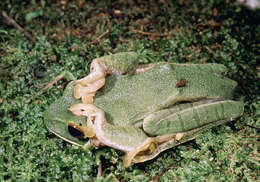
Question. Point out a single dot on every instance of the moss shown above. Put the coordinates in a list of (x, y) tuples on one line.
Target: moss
[(67, 40)]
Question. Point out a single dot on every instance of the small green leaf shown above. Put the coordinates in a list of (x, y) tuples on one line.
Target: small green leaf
[(30, 16)]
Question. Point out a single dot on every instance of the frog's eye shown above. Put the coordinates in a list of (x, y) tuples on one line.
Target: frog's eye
[(76, 131)]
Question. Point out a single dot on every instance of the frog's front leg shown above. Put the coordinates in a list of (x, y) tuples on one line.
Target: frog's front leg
[(120, 63)]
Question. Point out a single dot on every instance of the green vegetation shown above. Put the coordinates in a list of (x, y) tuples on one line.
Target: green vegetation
[(70, 34)]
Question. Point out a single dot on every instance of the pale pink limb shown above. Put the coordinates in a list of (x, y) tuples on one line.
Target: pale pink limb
[(89, 91), (148, 147), (86, 88), (97, 71)]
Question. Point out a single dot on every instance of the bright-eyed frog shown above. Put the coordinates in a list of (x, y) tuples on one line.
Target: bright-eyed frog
[(142, 110)]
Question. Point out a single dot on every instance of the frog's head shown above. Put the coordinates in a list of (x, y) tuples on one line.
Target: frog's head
[(59, 120)]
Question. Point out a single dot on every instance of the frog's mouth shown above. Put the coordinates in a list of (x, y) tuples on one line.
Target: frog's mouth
[(70, 132)]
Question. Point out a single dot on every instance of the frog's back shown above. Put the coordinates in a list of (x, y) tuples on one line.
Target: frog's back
[(129, 98)]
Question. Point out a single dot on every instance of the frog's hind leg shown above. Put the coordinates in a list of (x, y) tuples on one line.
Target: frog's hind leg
[(146, 148), (196, 118), (185, 117), (120, 63), (86, 87)]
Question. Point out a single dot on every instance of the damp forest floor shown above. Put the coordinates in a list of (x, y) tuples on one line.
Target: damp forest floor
[(66, 35)]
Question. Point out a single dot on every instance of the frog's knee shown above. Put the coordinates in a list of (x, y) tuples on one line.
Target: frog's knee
[(153, 124), (147, 147), (120, 63)]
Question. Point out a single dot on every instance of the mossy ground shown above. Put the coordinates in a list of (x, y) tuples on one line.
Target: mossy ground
[(67, 40)]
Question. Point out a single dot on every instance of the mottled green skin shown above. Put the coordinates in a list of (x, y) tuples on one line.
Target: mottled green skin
[(120, 63), (191, 115), (128, 98), (152, 103), (58, 116)]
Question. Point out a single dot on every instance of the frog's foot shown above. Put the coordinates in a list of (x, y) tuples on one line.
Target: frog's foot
[(146, 148), (92, 142), (86, 87)]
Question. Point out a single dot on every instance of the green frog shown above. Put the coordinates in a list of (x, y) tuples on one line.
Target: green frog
[(142, 110)]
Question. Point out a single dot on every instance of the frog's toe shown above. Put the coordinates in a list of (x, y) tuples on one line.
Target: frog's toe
[(88, 98), (88, 92), (146, 148), (87, 110), (91, 132), (80, 91), (82, 109), (86, 87)]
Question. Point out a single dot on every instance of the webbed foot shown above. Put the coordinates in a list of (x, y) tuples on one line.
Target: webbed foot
[(87, 87), (146, 148)]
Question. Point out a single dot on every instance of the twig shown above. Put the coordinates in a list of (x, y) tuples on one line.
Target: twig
[(66, 75), (155, 179), (251, 136), (151, 34), (12, 22), (252, 126), (58, 78), (165, 4), (45, 88), (99, 170), (99, 37)]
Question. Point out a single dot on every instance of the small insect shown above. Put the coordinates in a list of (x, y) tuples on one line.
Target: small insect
[(182, 83)]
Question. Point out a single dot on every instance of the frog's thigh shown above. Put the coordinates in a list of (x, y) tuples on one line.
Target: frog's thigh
[(124, 138), (184, 117), (129, 139)]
